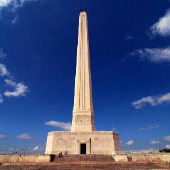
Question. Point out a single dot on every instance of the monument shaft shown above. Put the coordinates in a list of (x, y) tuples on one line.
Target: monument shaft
[(83, 116)]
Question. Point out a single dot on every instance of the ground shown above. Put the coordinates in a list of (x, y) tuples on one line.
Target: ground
[(86, 165)]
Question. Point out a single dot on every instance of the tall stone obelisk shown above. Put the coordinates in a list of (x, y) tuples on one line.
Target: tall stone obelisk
[(83, 139), (83, 116)]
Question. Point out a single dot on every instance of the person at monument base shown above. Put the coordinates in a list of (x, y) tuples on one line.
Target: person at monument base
[(83, 137), (60, 155)]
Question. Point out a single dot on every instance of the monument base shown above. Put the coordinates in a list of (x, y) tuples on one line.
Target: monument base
[(95, 142)]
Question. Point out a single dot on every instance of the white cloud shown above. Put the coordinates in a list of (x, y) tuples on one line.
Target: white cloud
[(167, 146), (167, 138), (24, 136), (140, 103), (2, 54), (12, 149), (9, 151), (162, 27), (3, 70), (152, 100), (10, 82), (114, 128), (35, 148), (1, 100), (155, 55), (164, 98), (19, 89), (62, 125), (4, 3), (154, 142), (149, 127), (12, 6), (13, 3), (2, 136), (131, 142)]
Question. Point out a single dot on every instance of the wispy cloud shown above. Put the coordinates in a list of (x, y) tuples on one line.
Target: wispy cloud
[(149, 127), (152, 100), (162, 27), (12, 149), (2, 136), (15, 20), (4, 3), (62, 125), (167, 138), (35, 148), (153, 142), (2, 54), (3, 70), (1, 99), (167, 146), (128, 36), (114, 128), (12, 6), (24, 136), (13, 3), (155, 55), (9, 151), (131, 142), (19, 89), (140, 103)]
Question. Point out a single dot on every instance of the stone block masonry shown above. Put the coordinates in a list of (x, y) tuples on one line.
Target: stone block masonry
[(26, 158), (97, 142), (151, 157), (164, 157)]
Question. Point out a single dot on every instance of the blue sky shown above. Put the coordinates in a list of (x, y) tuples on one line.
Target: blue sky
[(130, 65)]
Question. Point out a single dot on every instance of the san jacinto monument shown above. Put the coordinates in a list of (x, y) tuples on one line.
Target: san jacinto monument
[(83, 137)]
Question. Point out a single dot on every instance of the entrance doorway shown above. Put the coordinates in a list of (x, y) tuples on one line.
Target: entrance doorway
[(83, 148)]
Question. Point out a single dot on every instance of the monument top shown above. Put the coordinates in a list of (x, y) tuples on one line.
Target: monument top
[(82, 10)]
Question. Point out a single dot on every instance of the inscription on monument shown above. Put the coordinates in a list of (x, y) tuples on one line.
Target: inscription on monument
[(85, 119)]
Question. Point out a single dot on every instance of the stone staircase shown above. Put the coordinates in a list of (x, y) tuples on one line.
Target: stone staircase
[(84, 158)]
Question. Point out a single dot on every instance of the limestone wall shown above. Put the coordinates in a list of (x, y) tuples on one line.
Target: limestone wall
[(116, 142), (97, 142), (141, 157), (120, 158), (151, 157), (26, 158)]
